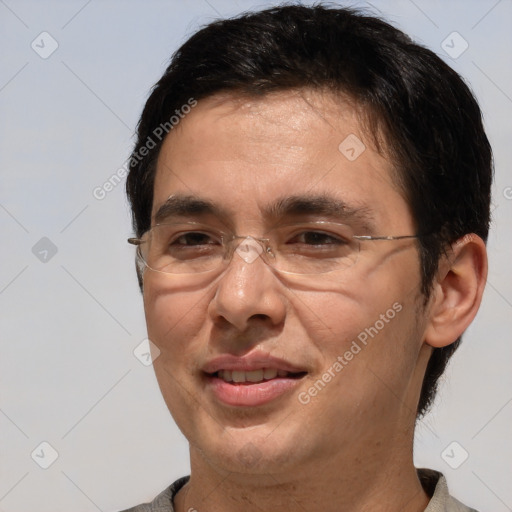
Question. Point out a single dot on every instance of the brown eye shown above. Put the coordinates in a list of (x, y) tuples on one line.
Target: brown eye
[(193, 239), (318, 238)]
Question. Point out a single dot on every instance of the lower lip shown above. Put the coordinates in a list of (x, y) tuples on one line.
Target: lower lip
[(250, 394)]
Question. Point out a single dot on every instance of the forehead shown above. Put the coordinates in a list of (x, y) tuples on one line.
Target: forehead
[(291, 122), (246, 152)]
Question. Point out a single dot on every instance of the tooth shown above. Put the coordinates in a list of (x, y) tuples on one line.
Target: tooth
[(238, 376), (254, 376), (251, 376), (226, 375), (269, 373)]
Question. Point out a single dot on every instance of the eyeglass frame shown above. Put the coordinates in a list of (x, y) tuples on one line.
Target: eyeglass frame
[(264, 242)]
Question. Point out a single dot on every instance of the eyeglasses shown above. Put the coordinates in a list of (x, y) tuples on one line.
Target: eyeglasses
[(301, 248)]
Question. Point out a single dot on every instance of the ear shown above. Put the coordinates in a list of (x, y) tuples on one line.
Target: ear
[(457, 291)]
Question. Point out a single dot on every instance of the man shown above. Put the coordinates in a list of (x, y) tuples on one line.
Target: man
[(310, 194)]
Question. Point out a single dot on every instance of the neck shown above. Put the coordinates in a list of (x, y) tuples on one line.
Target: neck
[(349, 484)]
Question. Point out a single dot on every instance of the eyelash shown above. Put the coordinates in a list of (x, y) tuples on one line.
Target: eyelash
[(334, 239), (188, 234)]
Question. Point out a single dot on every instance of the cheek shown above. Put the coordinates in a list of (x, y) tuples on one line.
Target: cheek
[(333, 319), (174, 320), (369, 331)]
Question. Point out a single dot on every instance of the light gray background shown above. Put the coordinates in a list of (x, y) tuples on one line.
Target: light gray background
[(68, 326)]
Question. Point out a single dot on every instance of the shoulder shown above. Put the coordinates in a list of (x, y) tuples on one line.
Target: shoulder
[(164, 501), (435, 485)]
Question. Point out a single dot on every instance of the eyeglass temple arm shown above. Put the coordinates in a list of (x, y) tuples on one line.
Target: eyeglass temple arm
[(369, 237), (134, 241)]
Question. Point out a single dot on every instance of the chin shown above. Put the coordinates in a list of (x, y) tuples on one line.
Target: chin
[(253, 451)]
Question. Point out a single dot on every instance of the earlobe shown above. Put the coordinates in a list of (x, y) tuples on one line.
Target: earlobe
[(457, 291)]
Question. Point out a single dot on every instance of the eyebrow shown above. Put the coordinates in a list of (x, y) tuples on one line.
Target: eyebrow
[(320, 205), (290, 206), (187, 206)]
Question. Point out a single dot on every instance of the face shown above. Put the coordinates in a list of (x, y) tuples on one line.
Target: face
[(325, 363)]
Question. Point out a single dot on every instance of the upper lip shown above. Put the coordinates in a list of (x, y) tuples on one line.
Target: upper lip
[(249, 363)]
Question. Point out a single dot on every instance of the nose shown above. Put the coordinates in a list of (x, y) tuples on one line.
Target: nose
[(248, 291)]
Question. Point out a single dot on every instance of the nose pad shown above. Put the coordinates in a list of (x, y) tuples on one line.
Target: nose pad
[(249, 249)]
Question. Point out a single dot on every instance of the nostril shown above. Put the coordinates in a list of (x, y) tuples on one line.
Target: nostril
[(260, 316)]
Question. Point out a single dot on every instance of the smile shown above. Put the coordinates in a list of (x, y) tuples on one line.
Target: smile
[(252, 380), (261, 375), (251, 388)]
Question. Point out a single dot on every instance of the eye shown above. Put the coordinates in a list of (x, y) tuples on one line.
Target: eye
[(193, 238), (317, 238)]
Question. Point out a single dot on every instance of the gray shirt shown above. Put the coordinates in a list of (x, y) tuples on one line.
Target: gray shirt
[(433, 482)]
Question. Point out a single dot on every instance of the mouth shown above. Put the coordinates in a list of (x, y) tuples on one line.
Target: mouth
[(255, 376), (252, 388)]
